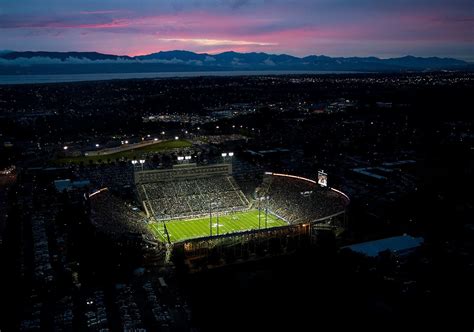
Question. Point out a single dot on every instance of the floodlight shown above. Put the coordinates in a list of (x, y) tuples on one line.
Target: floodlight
[(231, 154), (224, 154)]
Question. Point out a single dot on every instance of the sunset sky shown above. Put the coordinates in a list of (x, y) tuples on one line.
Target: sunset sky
[(298, 27)]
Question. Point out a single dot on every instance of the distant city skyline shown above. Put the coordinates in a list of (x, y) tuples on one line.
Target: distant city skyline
[(334, 28)]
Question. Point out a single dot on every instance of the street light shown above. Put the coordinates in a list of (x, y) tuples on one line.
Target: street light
[(224, 154), (65, 148), (231, 154), (176, 138)]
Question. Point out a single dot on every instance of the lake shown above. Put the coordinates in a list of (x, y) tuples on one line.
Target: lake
[(40, 79)]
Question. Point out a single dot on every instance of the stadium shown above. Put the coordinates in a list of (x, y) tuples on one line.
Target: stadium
[(200, 211)]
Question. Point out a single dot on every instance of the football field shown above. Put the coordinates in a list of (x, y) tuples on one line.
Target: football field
[(228, 223)]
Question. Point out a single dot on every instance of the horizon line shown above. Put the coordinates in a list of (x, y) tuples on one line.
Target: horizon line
[(217, 53)]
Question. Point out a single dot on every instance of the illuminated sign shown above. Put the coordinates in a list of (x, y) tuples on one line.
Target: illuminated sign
[(322, 179)]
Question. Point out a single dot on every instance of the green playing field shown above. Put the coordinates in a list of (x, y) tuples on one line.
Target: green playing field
[(228, 223)]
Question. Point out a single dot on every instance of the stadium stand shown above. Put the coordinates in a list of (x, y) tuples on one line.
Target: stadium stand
[(116, 219), (297, 200), (189, 191)]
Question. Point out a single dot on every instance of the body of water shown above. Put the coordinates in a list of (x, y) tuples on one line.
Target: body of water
[(39, 79)]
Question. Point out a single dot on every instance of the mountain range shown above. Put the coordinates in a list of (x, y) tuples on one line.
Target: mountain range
[(12, 63)]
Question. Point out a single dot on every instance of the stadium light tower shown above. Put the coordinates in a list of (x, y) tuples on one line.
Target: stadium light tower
[(266, 211), (226, 155), (210, 218), (217, 218)]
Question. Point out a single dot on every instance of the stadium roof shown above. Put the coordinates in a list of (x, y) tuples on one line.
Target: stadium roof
[(398, 245)]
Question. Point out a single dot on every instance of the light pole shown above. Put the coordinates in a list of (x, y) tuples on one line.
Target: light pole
[(259, 209), (226, 155), (142, 161), (266, 212), (217, 222), (210, 219)]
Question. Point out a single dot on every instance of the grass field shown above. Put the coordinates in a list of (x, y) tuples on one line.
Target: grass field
[(130, 154), (195, 228)]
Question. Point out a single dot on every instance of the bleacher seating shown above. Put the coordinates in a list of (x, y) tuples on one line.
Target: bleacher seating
[(181, 198), (298, 200)]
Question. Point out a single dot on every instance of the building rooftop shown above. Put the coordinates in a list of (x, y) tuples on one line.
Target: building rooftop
[(397, 245)]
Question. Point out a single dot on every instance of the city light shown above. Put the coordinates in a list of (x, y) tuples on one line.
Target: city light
[(65, 148), (187, 157), (97, 145), (180, 158), (231, 154), (126, 142), (155, 139), (176, 138), (224, 154)]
